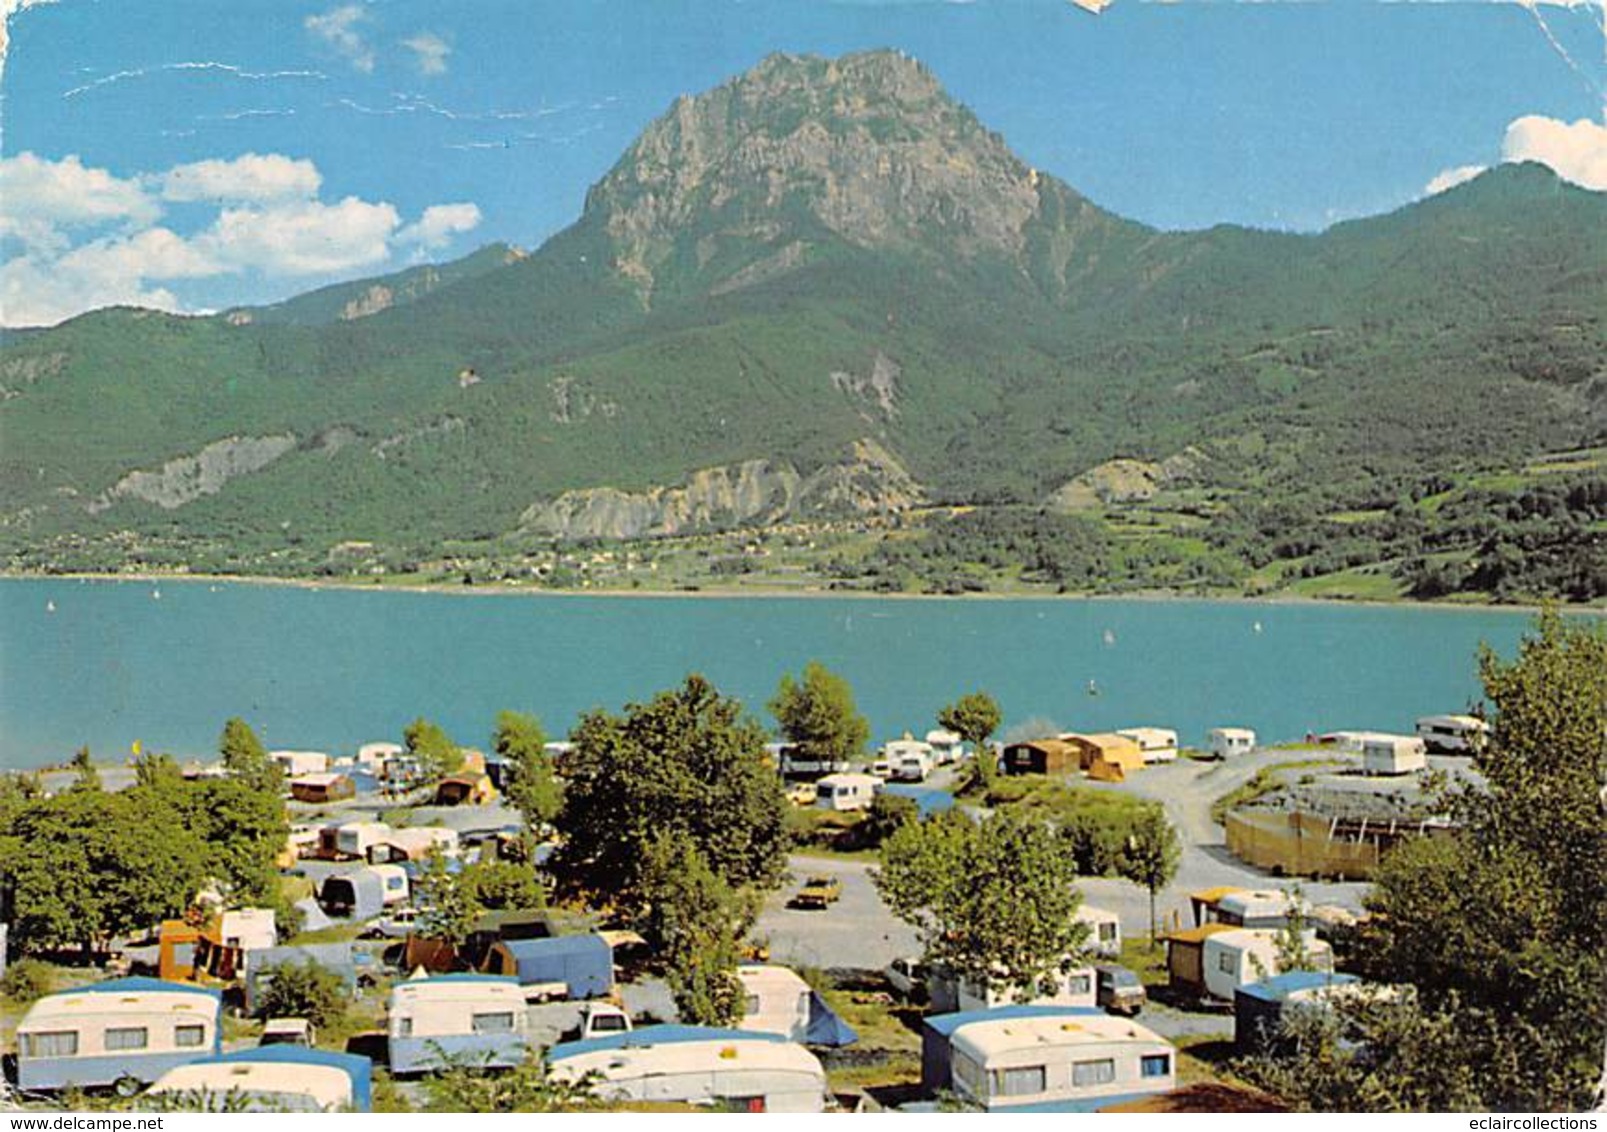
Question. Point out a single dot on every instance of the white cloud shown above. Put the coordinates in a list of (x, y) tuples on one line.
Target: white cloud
[(440, 222), (156, 253), (429, 52), (91, 239), (304, 238), (34, 293), (37, 290), (1577, 151), (340, 29), (42, 196), (251, 177), (1450, 178)]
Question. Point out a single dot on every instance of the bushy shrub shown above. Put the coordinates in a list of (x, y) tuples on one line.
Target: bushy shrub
[(304, 990), (26, 980)]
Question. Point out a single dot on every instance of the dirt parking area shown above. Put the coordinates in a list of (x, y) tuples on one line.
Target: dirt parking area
[(856, 932)]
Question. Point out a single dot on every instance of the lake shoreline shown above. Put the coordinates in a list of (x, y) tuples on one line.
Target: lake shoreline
[(485, 589)]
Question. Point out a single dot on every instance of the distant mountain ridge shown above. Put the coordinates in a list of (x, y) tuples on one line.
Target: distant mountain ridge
[(816, 260), (364, 297)]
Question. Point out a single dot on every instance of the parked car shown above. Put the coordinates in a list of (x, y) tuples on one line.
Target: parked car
[(819, 892), (907, 976), (802, 794), (288, 1032), (399, 924), (599, 1019), (1118, 990)]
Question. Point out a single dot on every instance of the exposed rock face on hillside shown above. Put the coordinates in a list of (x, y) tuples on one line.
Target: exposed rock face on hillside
[(187, 478), (377, 298), (879, 387), (1126, 481), (867, 148), (755, 492), (18, 373)]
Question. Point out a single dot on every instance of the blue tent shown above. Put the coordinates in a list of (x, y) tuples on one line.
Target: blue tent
[(585, 962), (826, 1026)]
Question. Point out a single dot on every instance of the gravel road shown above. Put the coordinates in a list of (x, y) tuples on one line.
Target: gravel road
[(859, 931)]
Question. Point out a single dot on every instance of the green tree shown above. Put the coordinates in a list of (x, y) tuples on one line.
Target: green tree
[(82, 867), (497, 885), (531, 785), (1498, 924), (242, 830), (87, 777), (1292, 946), (687, 762), (303, 990), (995, 901), (1370, 1056), (698, 923), (818, 715), (888, 814), (437, 755), (1151, 856), (247, 760), (974, 718), (158, 774), (449, 906)]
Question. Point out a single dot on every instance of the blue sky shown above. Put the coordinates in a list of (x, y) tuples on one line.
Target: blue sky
[(197, 154)]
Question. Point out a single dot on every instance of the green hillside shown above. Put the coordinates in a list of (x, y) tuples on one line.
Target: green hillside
[(824, 294)]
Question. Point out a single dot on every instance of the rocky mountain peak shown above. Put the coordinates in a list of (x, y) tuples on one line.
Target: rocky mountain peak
[(867, 148)]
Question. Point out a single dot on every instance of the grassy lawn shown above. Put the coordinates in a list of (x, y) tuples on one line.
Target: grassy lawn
[(1363, 583), (886, 1060), (1205, 1058), (335, 933), (1351, 517), (1146, 960), (826, 853)]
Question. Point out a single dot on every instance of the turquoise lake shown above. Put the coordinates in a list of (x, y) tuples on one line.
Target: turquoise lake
[(106, 663)]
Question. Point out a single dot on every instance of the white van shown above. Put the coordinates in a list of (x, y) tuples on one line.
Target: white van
[(947, 747), (1227, 742), (847, 791), (1453, 734), (908, 760)]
